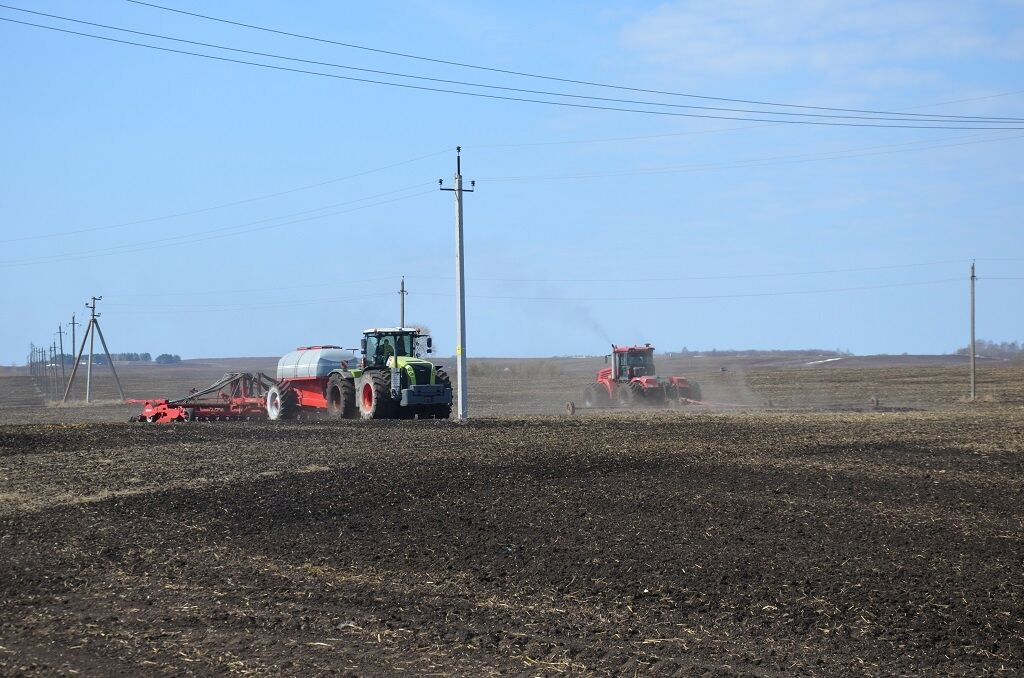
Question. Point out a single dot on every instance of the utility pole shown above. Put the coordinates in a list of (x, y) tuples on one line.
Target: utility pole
[(51, 371), (460, 286), (92, 339), (73, 325), (60, 333), (91, 330), (401, 295), (974, 352)]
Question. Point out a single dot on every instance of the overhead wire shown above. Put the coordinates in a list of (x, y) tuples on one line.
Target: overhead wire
[(761, 162), (969, 124), (696, 296), (223, 232), (178, 308), (250, 290), (515, 72), (240, 306), (211, 208), (739, 276), (889, 117)]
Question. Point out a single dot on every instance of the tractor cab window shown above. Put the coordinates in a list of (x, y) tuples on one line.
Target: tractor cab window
[(635, 364), (380, 347)]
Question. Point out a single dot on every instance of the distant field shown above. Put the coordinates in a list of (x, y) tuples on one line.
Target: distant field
[(514, 386)]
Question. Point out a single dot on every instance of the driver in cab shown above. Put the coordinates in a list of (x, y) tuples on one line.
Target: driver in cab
[(385, 352)]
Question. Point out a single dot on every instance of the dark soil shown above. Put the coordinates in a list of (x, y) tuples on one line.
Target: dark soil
[(662, 544)]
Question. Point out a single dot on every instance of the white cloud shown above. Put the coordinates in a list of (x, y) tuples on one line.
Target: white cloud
[(904, 41)]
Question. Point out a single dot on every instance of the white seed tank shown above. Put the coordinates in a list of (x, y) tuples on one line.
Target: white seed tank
[(313, 362)]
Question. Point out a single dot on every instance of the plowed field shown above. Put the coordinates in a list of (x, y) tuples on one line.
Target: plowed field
[(633, 543)]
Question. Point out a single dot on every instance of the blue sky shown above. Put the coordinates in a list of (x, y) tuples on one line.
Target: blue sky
[(587, 226)]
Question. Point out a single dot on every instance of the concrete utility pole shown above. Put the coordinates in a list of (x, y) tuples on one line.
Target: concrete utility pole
[(51, 375), (63, 375), (73, 325), (974, 352), (91, 330), (401, 295), (92, 339), (460, 286)]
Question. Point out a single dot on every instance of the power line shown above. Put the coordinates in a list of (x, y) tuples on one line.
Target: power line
[(900, 116), (183, 240), (523, 73), (172, 308), (212, 208), (217, 308), (741, 276), (759, 162), (698, 297), (619, 109), (284, 288)]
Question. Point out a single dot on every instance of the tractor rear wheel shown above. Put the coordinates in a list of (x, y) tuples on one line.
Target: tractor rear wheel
[(281, 403), (341, 397), (375, 396), (594, 395), (694, 391)]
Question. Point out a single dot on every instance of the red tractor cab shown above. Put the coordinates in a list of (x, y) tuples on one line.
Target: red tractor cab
[(633, 381)]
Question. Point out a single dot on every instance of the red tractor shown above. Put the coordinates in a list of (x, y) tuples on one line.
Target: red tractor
[(632, 381)]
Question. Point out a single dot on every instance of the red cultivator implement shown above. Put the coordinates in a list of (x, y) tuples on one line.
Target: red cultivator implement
[(238, 395)]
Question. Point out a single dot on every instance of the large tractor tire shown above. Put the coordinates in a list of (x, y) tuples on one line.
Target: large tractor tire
[(443, 411), (693, 393), (656, 396), (595, 395), (637, 393), (281, 403), (341, 397), (374, 396)]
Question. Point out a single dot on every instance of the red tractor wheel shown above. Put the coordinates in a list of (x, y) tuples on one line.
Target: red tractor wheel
[(375, 396)]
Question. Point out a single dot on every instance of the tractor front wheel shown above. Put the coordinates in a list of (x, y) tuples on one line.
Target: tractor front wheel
[(637, 394), (443, 411), (375, 396)]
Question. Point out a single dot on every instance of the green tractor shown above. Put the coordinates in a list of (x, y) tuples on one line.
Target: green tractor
[(394, 382)]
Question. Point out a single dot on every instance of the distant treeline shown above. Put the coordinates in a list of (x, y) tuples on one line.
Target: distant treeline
[(762, 352), (993, 349), (101, 359), (132, 357)]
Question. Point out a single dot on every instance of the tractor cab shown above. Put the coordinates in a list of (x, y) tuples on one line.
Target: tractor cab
[(380, 344), (631, 362)]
